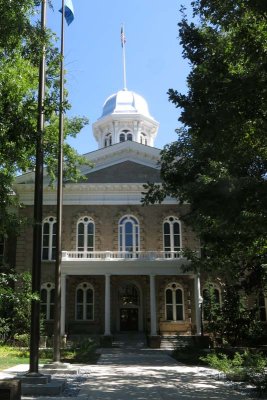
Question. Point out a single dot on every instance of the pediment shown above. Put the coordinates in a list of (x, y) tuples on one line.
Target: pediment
[(124, 172)]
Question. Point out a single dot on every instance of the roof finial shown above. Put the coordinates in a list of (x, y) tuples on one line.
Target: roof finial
[(123, 41)]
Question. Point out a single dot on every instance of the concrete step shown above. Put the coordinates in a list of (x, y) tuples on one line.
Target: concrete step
[(42, 379), (52, 388)]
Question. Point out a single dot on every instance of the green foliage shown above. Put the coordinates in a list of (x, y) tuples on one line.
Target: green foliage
[(233, 322), (219, 162), (248, 366), (15, 304), (21, 43)]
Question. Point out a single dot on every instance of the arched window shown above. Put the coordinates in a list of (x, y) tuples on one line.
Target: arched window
[(85, 234), (174, 302), (47, 303), (108, 139), (129, 234), (129, 295), (126, 135), (262, 307), (143, 138), (49, 238), (84, 302), (171, 237), (122, 137), (211, 301)]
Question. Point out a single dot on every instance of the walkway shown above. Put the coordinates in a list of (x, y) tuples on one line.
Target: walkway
[(145, 374)]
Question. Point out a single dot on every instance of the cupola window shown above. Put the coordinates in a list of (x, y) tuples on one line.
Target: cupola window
[(108, 140)]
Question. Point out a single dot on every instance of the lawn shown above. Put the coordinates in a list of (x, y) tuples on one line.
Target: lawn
[(84, 353)]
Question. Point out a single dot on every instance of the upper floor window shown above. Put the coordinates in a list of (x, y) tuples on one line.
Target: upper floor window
[(171, 236), (108, 140), (85, 234), (211, 301), (129, 234), (174, 302), (143, 138), (262, 307), (126, 135), (2, 248), (47, 300), (49, 238), (84, 302)]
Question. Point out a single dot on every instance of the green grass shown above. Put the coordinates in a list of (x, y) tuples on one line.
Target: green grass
[(11, 356)]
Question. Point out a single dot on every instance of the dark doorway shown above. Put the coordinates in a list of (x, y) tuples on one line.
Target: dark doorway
[(129, 319)]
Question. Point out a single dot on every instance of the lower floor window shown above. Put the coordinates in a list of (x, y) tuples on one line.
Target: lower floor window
[(174, 303), (47, 300), (84, 302)]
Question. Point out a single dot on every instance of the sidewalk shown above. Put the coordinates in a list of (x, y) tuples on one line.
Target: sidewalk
[(152, 375)]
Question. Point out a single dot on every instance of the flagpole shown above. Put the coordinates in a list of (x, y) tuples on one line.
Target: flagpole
[(57, 316), (38, 212), (123, 57)]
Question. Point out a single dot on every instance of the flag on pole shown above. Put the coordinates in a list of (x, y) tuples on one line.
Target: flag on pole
[(123, 38), (68, 11)]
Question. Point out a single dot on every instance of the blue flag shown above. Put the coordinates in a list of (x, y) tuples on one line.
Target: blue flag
[(68, 12)]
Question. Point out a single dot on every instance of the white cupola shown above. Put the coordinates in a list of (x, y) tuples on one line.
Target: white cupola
[(125, 116)]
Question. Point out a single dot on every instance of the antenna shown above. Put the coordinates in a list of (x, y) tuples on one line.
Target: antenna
[(123, 41)]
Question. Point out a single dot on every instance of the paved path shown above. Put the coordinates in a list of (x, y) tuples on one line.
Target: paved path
[(151, 375)]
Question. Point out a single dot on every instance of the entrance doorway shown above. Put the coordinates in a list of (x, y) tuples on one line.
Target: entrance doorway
[(129, 319)]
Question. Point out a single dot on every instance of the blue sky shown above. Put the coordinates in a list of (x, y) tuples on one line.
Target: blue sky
[(93, 59)]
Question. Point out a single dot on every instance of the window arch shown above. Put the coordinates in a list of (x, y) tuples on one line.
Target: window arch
[(143, 138), (129, 234), (49, 238), (211, 300), (84, 302), (129, 295), (47, 300), (85, 234), (108, 140), (171, 236), (122, 137), (126, 135), (262, 307), (174, 302)]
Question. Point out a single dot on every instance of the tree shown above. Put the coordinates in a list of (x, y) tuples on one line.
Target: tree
[(219, 162), (21, 41)]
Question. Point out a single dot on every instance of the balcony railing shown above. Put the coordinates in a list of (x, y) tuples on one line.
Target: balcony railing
[(119, 255)]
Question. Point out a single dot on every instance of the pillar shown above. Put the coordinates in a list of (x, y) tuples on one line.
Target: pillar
[(198, 303), (107, 305), (63, 305), (153, 310)]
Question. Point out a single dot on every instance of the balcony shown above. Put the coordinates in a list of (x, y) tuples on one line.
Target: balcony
[(121, 255)]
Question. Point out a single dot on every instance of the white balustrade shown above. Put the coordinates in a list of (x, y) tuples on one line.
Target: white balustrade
[(120, 255)]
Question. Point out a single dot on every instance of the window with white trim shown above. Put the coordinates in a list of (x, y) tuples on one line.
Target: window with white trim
[(262, 307), (129, 234), (108, 140), (47, 300), (84, 302), (85, 234), (143, 138), (49, 238), (211, 300), (174, 302), (171, 236), (2, 248)]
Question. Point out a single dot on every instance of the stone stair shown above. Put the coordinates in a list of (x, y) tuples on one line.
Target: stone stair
[(136, 340), (172, 342)]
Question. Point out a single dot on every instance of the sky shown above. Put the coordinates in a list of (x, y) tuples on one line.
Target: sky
[(93, 59)]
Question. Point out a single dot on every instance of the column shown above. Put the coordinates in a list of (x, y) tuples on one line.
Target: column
[(153, 310), (198, 303), (63, 305), (107, 305)]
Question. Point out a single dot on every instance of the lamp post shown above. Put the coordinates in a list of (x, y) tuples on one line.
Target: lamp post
[(38, 211)]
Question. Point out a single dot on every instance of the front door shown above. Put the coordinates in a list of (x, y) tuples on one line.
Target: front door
[(129, 319)]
